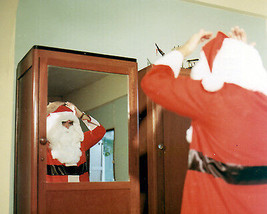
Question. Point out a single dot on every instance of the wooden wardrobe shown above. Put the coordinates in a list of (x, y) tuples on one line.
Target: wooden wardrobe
[(163, 151), (32, 193)]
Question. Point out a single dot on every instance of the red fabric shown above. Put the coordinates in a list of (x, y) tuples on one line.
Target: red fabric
[(61, 108), (90, 139), (212, 47), (229, 125)]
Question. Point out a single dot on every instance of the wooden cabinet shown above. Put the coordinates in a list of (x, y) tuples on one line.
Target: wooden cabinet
[(162, 140), (32, 193)]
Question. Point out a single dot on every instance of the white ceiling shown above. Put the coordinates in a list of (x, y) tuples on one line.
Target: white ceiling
[(251, 7), (62, 81)]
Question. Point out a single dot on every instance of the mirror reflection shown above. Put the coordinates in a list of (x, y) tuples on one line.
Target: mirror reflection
[(102, 158), (98, 100)]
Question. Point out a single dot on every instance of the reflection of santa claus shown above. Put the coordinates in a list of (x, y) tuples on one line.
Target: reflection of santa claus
[(66, 158)]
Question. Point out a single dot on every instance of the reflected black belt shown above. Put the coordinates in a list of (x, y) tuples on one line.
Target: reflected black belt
[(67, 170), (230, 173)]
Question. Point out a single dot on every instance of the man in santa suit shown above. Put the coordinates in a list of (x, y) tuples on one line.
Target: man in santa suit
[(66, 153), (226, 98)]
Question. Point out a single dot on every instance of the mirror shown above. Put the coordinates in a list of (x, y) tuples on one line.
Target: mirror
[(102, 158), (104, 96)]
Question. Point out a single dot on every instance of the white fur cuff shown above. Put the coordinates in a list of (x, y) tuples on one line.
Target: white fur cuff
[(174, 59)]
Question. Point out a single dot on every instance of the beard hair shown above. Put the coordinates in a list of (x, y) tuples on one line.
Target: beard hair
[(65, 143)]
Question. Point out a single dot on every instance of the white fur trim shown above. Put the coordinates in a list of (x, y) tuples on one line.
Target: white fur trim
[(236, 63), (174, 59), (189, 134), (89, 125), (212, 83), (64, 116)]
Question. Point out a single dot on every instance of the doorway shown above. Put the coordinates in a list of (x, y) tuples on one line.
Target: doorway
[(102, 158)]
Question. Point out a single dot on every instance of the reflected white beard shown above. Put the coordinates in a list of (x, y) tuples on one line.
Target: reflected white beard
[(65, 144)]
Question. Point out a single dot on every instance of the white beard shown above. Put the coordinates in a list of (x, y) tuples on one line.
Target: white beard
[(65, 143)]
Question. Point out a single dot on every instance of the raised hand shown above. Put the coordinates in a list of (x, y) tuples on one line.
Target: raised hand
[(77, 112), (239, 34), (194, 41)]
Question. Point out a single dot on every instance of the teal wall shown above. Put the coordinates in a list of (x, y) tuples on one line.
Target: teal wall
[(124, 27)]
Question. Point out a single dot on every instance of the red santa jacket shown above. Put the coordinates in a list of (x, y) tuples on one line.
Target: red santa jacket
[(228, 153), (58, 172)]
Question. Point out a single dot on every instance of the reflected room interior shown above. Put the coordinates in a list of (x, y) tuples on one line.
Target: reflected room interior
[(104, 96)]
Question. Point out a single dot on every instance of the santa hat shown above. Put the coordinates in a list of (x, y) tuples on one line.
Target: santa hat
[(62, 108), (64, 113), (227, 60)]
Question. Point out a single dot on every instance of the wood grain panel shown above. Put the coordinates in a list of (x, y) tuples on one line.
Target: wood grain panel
[(175, 159), (166, 165), (23, 143), (93, 202)]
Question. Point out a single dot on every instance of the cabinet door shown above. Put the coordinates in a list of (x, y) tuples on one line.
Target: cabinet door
[(167, 152), (175, 159), (167, 159), (34, 193)]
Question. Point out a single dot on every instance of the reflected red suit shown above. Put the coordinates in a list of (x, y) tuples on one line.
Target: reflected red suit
[(90, 139)]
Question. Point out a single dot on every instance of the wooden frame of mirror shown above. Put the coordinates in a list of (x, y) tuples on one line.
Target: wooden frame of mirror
[(42, 197)]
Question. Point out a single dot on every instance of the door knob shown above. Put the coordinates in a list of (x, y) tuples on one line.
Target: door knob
[(161, 146), (43, 141)]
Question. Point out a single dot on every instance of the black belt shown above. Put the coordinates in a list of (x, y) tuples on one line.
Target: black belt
[(67, 170), (230, 173)]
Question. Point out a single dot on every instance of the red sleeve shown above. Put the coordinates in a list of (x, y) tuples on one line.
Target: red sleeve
[(93, 137), (181, 95)]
